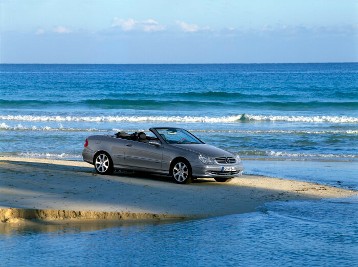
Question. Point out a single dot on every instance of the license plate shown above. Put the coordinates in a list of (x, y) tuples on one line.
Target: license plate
[(228, 169)]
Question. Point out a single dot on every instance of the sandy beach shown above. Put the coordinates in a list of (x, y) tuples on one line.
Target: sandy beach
[(57, 190)]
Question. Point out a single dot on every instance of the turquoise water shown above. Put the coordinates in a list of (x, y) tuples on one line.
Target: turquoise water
[(305, 233), (297, 121), (290, 111)]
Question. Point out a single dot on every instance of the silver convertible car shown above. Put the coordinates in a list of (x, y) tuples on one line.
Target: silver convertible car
[(171, 151)]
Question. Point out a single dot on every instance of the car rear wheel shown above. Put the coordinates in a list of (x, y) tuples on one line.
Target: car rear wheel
[(223, 180), (181, 172), (103, 163)]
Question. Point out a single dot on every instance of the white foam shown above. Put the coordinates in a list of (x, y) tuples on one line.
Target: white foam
[(182, 119), (352, 132), (61, 128), (20, 127), (309, 119), (49, 155), (305, 155), (4, 126), (189, 119)]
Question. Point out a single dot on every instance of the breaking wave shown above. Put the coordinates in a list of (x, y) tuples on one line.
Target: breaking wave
[(308, 119), (297, 156), (49, 155), (185, 119), (20, 127)]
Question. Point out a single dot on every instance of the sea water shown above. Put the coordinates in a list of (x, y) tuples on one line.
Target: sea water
[(279, 111), (296, 233), (297, 121)]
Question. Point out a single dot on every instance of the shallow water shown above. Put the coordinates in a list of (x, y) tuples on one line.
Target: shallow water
[(320, 233), (342, 174)]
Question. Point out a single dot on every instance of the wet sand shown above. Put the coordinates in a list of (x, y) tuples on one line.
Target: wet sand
[(56, 190)]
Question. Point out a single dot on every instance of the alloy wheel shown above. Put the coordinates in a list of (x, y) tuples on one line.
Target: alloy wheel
[(103, 164), (181, 173)]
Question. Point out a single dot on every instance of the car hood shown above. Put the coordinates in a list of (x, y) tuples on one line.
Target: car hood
[(205, 150)]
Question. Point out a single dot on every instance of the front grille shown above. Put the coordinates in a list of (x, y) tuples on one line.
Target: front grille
[(225, 160)]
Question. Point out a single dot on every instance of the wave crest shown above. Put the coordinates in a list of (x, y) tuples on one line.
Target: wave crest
[(49, 155), (308, 119), (184, 119), (295, 155)]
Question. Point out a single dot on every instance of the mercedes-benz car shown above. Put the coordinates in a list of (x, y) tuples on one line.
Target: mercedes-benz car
[(164, 150)]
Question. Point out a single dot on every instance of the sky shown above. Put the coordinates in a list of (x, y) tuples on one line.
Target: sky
[(185, 31)]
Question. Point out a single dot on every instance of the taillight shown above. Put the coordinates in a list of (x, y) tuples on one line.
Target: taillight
[(86, 143)]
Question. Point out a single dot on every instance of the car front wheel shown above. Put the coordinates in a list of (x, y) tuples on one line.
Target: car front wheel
[(181, 172), (103, 163)]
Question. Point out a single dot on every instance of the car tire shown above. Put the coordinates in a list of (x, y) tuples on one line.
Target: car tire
[(181, 172), (223, 180), (103, 163)]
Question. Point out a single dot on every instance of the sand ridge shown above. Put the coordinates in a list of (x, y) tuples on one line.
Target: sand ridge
[(44, 189), (16, 215)]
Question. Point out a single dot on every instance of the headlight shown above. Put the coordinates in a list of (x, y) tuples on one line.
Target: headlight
[(206, 160), (238, 159)]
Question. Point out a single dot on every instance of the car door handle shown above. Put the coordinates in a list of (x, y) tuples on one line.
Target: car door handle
[(129, 145)]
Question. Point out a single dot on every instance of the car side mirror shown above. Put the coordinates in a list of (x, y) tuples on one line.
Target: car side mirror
[(155, 143)]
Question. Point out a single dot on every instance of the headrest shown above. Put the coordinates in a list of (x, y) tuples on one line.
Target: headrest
[(142, 136), (121, 134)]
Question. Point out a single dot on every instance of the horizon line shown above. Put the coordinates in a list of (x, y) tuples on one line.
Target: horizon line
[(232, 63)]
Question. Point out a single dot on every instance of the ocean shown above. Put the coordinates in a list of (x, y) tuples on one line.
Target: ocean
[(261, 111), (296, 121)]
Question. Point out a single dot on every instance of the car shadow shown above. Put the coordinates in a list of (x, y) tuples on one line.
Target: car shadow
[(157, 177)]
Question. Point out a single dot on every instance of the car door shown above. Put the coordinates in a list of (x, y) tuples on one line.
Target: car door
[(141, 155), (118, 148)]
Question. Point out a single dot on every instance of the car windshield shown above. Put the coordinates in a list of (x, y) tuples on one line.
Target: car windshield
[(178, 136)]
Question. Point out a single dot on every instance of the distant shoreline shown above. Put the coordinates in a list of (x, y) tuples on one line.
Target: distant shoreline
[(61, 191)]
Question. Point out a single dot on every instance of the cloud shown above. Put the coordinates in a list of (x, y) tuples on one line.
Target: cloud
[(61, 30), (149, 25), (57, 30), (124, 24), (186, 27)]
